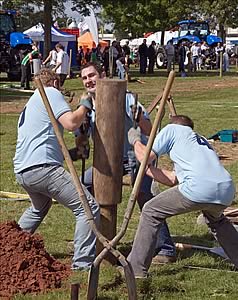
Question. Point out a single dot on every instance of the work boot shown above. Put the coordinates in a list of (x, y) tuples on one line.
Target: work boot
[(163, 259)]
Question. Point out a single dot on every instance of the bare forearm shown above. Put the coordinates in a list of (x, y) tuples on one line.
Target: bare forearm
[(139, 149), (57, 66), (73, 120), (163, 176)]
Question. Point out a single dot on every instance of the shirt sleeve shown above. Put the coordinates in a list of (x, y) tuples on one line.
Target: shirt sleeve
[(57, 102), (164, 141)]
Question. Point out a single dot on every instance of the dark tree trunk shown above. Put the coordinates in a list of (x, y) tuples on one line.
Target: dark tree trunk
[(47, 25), (222, 32), (162, 37)]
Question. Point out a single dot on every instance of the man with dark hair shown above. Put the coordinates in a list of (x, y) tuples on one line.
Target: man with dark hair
[(181, 58), (151, 57), (38, 165), (203, 184), (90, 73)]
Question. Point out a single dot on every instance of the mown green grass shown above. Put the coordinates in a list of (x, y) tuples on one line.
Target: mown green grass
[(213, 106)]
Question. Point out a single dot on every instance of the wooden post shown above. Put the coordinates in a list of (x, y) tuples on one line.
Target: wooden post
[(110, 62), (221, 62), (70, 61), (108, 153), (189, 63), (74, 291)]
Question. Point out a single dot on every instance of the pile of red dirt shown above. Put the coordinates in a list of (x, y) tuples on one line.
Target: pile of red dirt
[(25, 266)]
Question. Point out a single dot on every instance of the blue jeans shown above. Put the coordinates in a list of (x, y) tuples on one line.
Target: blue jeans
[(47, 182), (164, 245)]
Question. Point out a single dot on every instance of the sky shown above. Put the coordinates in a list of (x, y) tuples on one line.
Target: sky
[(70, 13), (76, 15)]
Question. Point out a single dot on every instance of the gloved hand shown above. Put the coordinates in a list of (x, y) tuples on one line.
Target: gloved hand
[(86, 101), (134, 135)]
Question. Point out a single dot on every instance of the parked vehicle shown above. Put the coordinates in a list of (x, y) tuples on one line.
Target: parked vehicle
[(190, 31), (11, 44), (195, 31)]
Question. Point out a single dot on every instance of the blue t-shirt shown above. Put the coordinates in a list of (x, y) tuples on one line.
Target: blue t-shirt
[(37, 142), (201, 176)]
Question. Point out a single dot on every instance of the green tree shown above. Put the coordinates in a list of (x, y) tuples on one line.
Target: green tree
[(223, 13), (138, 17)]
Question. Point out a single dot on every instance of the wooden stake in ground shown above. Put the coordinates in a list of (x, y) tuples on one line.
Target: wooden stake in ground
[(221, 62), (70, 61), (108, 152)]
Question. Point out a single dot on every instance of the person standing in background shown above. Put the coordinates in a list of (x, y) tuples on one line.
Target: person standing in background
[(80, 56), (27, 58), (169, 50), (62, 63), (143, 54), (181, 58), (151, 57), (51, 58)]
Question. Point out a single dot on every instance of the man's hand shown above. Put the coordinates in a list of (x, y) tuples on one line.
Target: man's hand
[(86, 101), (134, 135)]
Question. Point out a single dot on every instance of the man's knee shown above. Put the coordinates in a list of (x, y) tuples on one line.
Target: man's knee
[(149, 212)]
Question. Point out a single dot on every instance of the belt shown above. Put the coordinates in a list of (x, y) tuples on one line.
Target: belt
[(35, 167)]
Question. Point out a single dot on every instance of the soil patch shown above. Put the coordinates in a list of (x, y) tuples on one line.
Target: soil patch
[(26, 267), (227, 152)]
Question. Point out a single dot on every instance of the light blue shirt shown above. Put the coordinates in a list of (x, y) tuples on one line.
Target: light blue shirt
[(37, 142), (201, 176)]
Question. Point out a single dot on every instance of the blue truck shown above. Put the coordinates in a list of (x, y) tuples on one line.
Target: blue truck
[(11, 44)]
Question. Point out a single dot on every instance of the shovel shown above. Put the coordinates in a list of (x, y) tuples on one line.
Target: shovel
[(94, 271), (130, 278), (215, 250)]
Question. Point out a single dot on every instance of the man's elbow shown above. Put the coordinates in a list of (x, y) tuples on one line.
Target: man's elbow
[(68, 123)]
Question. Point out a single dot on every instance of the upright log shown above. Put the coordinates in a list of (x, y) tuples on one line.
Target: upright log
[(108, 152)]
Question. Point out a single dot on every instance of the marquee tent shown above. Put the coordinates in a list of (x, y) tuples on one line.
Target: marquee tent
[(36, 33), (86, 41)]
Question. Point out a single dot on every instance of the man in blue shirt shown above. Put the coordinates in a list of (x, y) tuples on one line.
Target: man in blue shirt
[(90, 73), (203, 184), (38, 165)]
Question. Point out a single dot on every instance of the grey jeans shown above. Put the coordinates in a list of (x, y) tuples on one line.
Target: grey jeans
[(170, 203), (47, 182)]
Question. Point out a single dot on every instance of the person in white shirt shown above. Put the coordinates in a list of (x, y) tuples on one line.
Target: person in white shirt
[(218, 50), (62, 63), (51, 58), (195, 52)]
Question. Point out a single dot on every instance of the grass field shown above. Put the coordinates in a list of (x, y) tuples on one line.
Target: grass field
[(212, 103)]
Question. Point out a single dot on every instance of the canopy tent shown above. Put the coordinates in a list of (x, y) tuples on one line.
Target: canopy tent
[(36, 33), (86, 41)]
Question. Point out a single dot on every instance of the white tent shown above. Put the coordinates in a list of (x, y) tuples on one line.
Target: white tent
[(36, 33)]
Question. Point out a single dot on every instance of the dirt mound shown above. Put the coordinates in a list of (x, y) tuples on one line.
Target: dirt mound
[(26, 267)]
